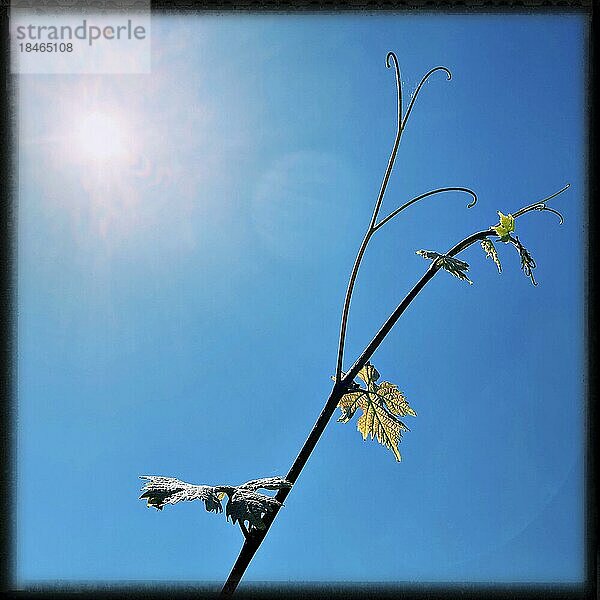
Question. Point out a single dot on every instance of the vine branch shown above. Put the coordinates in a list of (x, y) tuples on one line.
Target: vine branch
[(400, 125), (340, 387), (244, 529)]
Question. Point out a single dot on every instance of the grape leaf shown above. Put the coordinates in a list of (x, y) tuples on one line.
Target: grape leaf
[(244, 502), (381, 405), (348, 404), (369, 374), (380, 423), (505, 227), (454, 266), (490, 252), (429, 254), (527, 261), (267, 483), (168, 490), (395, 399), (246, 505)]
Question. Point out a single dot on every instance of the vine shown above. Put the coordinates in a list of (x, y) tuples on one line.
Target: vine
[(382, 404)]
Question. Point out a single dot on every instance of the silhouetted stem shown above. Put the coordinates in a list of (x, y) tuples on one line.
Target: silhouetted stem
[(244, 530), (252, 544), (400, 125), (371, 228), (340, 387)]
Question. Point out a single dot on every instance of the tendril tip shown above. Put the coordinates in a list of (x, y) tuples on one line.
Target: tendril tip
[(387, 59)]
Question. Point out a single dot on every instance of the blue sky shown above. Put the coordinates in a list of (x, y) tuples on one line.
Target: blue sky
[(179, 304)]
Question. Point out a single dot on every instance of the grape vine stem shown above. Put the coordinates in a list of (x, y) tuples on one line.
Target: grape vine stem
[(343, 381), (254, 540)]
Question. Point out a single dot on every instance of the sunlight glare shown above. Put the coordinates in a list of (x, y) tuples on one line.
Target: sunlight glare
[(101, 136)]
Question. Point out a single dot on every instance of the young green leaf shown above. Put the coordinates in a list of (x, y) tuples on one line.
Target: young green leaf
[(369, 374), (454, 266), (381, 405), (380, 423), (505, 227), (348, 404), (490, 252), (395, 399)]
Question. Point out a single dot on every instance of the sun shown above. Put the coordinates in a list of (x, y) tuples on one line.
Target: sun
[(100, 136)]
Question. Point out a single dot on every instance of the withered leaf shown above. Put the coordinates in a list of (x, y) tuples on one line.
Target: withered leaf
[(244, 502), (454, 266), (490, 252), (159, 491)]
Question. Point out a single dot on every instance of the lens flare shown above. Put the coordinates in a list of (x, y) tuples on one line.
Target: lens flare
[(101, 136)]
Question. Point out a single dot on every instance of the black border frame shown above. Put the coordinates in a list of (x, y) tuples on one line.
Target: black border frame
[(8, 325)]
